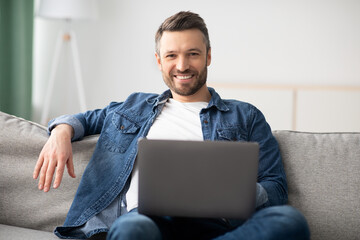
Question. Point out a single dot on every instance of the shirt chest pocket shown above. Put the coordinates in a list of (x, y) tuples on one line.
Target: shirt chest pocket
[(231, 134), (120, 133)]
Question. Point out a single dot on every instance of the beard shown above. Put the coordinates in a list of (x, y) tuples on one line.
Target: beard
[(190, 88)]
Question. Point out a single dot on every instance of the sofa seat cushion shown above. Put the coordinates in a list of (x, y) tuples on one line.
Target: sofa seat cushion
[(19, 233)]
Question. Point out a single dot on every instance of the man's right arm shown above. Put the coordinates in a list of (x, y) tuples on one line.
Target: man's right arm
[(56, 153)]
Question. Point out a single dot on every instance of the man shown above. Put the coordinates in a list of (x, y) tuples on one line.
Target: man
[(106, 200)]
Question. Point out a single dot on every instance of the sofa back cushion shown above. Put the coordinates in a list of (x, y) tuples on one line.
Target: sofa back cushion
[(323, 179), (21, 203)]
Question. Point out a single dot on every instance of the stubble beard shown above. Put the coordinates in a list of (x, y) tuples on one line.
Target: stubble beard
[(187, 89)]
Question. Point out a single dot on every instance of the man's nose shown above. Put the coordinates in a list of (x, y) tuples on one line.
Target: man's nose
[(182, 64)]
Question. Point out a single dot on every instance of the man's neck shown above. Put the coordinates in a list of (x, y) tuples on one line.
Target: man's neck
[(203, 95)]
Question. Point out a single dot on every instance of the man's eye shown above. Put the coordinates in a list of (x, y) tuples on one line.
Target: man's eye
[(170, 56), (194, 54)]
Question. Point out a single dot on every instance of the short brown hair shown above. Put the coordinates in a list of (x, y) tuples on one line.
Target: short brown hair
[(179, 22)]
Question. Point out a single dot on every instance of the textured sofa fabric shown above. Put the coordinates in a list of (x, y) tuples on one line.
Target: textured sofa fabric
[(21, 204), (322, 170), (14, 233)]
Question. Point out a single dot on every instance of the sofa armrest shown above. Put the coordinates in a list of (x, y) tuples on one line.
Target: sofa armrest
[(21, 203)]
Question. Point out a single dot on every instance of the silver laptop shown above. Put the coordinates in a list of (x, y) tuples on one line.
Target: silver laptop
[(197, 179)]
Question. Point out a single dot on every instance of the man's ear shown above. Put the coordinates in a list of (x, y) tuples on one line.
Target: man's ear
[(158, 61), (208, 57)]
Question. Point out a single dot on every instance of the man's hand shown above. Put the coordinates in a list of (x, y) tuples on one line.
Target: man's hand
[(56, 153)]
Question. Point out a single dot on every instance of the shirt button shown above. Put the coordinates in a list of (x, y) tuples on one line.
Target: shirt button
[(122, 127), (206, 122)]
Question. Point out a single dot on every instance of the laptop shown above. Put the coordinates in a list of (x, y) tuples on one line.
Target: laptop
[(203, 179)]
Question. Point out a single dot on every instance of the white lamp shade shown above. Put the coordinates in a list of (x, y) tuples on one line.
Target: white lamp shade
[(68, 9)]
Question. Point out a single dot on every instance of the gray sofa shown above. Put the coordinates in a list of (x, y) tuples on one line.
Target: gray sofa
[(322, 169)]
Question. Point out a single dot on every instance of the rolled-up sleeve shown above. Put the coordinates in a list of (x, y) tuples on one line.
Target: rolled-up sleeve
[(84, 124), (70, 120)]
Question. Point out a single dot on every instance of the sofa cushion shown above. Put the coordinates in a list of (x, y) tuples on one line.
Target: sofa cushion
[(322, 171), (10, 232), (21, 203), (323, 179)]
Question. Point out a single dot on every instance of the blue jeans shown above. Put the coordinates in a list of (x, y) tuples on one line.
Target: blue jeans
[(278, 222)]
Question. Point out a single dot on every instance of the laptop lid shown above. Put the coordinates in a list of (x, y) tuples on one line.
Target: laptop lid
[(197, 179)]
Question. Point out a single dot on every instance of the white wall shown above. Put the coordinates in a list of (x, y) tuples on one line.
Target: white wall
[(254, 41)]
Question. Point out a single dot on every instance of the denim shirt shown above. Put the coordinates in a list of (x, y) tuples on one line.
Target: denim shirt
[(100, 197)]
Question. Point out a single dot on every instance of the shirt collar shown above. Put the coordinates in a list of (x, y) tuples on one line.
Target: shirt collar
[(215, 100), (160, 99)]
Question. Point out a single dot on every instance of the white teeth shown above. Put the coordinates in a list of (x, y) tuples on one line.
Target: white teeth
[(184, 77)]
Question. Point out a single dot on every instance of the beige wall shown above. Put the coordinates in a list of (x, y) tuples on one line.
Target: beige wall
[(301, 107)]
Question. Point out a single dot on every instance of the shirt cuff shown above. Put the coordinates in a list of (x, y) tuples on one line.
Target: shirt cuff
[(261, 195), (70, 120)]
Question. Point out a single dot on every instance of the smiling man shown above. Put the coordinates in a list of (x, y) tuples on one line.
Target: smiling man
[(107, 197), (183, 58)]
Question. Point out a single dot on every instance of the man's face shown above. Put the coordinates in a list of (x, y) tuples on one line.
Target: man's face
[(183, 61)]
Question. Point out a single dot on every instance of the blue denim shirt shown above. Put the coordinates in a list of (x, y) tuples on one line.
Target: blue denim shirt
[(100, 198)]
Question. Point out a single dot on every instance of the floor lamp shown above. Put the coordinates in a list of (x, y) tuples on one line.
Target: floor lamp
[(66, 10)]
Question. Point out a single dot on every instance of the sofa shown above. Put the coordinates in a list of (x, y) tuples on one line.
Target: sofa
[(322, 170)]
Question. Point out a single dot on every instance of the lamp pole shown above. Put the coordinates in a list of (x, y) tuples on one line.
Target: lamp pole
[(64, 37), (66, 10)]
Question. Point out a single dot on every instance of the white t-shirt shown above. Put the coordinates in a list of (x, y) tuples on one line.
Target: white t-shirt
[(177, 121)]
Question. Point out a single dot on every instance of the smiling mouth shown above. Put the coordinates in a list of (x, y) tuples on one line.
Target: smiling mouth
[(183, 77)]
